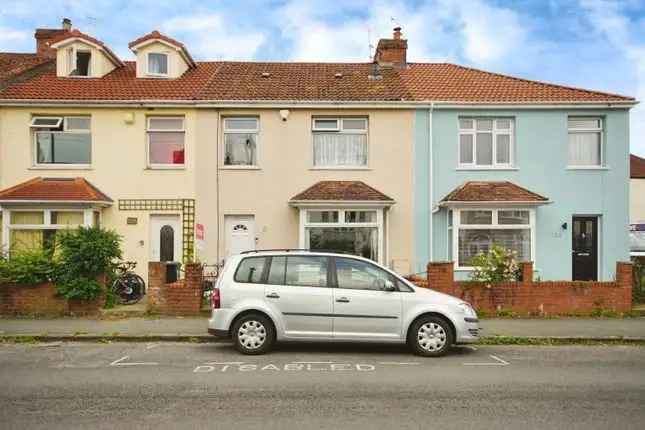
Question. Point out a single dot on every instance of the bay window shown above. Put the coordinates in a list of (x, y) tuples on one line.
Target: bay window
[(486, 142), (354, 231), (61, 140), (475, 231), (340, 142), (166, 137), (240, 141), (585, 142)]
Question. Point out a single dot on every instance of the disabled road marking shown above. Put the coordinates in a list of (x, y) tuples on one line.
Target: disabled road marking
[(120, 362), (498, 362), (296, 366)]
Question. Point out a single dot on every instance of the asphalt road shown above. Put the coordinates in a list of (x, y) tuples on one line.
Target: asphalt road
[(121, 385)]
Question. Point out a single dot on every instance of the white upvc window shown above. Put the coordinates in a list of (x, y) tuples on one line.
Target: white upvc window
[(485, 143), (166, 136), (30, 228), (585, 141), (340, 142), (78, 62), (476, 230), (241, 141), (357, 231), (62, 140), (157, 64)]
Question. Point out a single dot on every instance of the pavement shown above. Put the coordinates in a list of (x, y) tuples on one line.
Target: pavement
[(68, 385), (178, 328)]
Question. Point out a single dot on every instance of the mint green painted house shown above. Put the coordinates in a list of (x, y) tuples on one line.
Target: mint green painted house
[(574, 155)]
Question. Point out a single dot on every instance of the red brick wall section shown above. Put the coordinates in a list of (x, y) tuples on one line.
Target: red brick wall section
[(529, 297), (183, 297)]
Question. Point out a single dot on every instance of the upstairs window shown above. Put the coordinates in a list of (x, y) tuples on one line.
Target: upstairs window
[(486, 142), (585, 142), (157, 64), (79, 62), (240, 141), (166, 137), (340, 142), (61, 140)]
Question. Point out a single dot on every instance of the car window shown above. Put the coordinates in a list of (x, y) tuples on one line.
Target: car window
[(277, 271), (250, 270), (360, 275), (307, 271)]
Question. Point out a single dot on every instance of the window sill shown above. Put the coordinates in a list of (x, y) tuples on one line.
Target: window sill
[(487, 168), (240, 168), (62, 167), (341, 168), (588, 168), (182, 167)]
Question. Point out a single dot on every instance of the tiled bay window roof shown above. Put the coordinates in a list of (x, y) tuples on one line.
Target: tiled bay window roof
[(54, 189), (492, 191), (636, 167), (341, 191), (305, 82)]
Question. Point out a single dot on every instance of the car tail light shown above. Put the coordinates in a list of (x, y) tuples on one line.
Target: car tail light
[(216, 303)]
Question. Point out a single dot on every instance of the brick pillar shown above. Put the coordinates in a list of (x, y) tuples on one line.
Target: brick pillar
[(441, 276), (194, 276), (156, 283), (527, 271), (625, 281)]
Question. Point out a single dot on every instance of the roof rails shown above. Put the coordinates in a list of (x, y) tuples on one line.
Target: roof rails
[(295, 250)]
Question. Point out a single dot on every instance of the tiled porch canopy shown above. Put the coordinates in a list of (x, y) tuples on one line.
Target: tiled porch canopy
[(55, 191), (341, 191), (494, 192)]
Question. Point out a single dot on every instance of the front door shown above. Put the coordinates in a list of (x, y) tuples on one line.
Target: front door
[(585, 248), (363, 308), (240, 233), (165, 238)]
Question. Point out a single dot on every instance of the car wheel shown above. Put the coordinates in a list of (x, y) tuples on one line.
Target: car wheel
[(430, 336), (253, 334)]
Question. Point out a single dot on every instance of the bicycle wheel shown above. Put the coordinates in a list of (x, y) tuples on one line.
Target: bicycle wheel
[(129, 288)]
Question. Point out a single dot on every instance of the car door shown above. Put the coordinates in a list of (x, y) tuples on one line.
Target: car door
[(366, 302), (298, 287)]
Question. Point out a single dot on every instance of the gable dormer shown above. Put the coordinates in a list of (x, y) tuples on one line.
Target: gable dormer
[(159, 56), (79, 55)]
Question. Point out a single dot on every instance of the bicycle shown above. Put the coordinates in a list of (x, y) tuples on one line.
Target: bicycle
[(128, 286)]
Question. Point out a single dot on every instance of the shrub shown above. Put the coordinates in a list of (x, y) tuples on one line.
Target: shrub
[(27, 267), (496, 265), (85, 254)]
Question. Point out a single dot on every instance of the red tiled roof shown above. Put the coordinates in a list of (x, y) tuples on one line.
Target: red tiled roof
[(341, 190), (451, 82), (14, 64), (155, 35), (54, 189), (77, 34), (492, 191), (636, 167)]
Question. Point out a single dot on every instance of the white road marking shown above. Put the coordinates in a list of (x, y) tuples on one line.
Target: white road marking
[(394, 363), (312, 362), (119, 362), (499, 362), (471, 347), (152, 345), (224, 362)]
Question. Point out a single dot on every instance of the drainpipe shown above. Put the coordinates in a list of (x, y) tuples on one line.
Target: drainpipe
[(430, 181), (217, 146)]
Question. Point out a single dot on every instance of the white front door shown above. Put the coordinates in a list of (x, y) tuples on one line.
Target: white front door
[(240, 233), (165, 238)]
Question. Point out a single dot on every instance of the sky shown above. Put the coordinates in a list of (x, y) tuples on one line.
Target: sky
[(595, 44)]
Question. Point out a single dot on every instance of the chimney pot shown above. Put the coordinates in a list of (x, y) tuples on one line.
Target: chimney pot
[(397, 33), (67, 24)]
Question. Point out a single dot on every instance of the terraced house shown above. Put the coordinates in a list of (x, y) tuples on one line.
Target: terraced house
[(397, 161)]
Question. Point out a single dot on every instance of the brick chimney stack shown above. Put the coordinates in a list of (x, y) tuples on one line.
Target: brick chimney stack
[(392, 52), (44, 35)]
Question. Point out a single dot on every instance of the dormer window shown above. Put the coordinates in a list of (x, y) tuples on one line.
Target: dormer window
[(157, 64), (79, 62)]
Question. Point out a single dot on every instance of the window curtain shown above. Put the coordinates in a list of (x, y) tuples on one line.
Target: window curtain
[(157, 63), (25, 240), (27, 217), (68, 218), (333, 149), (584, 149), (240, 149)]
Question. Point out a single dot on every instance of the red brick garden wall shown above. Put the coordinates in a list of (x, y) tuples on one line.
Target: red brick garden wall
[(183, 297), (529, 297)]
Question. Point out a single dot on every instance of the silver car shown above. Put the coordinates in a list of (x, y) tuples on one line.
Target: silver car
[(266, 296)]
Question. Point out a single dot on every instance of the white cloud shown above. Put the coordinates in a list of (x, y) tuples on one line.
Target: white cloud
[(10, 38), (210, 37)]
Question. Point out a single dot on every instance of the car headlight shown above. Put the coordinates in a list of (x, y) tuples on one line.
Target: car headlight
[(467, 309)]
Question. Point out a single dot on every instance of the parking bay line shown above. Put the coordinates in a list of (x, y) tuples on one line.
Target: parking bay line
[(498, 362), (120, 362)]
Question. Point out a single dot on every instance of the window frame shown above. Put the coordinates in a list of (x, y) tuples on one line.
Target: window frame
[(71, 64), (255, 131), (495, 132), (158, 75), (164, 166), (340, 129), (457, 226), (36, 130), (601, 132)]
